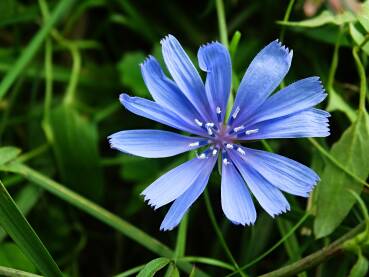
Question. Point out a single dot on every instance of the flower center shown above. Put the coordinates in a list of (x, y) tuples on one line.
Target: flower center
[(221, 136)]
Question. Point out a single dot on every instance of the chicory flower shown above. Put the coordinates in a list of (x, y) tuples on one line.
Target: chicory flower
[(187, 104)]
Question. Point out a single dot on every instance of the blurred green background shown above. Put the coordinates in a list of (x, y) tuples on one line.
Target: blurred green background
[(63, 65)]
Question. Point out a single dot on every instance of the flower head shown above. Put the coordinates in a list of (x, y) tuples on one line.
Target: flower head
[(187, 104)]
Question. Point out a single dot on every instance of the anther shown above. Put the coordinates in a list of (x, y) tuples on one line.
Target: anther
[(250, 132), (239, 128), (219, 112), (215, 151), (234, 115), (225, 161), (198, 122), (229, 146), (194, 144), (240, 150), (201, 156)]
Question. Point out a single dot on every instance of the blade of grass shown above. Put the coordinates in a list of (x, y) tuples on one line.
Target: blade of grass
[(15, 224), (11, 272), (33, 46), (25, 200), (96, 211)]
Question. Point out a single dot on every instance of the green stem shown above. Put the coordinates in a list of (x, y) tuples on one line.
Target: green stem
[(275, 246), (334, 63), (181, 239), (286, 18), (76, 68), (317, 257), (361, 71), (207, 261), (219, 232), (222, 25), (48, 79)]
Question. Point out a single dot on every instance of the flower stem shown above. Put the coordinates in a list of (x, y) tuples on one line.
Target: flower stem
[(317, 257), (219, 233), (222, 22), (286, 18), (361, 71)]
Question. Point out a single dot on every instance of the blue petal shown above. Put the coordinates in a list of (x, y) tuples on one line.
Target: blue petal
[(308, 123), (154, 111), (269, 197), (286, 174), (214, 58), (262, 77), (185, 74), (174, 183), (165, 92), (184, 202), (237, 203), (296, 97), (154, 143)]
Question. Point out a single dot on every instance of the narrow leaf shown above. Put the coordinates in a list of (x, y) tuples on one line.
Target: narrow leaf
[(75, 144), (333, 200), (14, 223), (152, 267)]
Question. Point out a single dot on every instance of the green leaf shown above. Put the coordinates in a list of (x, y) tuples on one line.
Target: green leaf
[(333, 200), (325, 17), (360, 268), (130, 73), (172, 271), (154, 266), (12, 256), (336, 103), (14, 223), (8, 153), (363, 15), (11, 272), (25, 200), (75, 144)]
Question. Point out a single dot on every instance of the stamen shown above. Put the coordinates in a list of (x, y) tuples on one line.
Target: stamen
[(239, 128), (219, 112), (250, 132), (225, 161), (199, 143), (201, 156), (234, 115), (229, 146), (240, 150), (198, 122), (215, 151), (210, 126), (194, 144)]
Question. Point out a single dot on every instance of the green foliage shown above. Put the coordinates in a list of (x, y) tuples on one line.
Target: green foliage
[(63, 65), (334, 203), (14, 223), (152, 267), (80, 169)]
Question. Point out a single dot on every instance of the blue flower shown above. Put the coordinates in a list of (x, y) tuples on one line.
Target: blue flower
[(189, 105)]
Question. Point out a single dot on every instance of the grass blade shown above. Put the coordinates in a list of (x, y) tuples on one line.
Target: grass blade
[(15, 224), (11, 272), (96, 211), (33, 46)]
